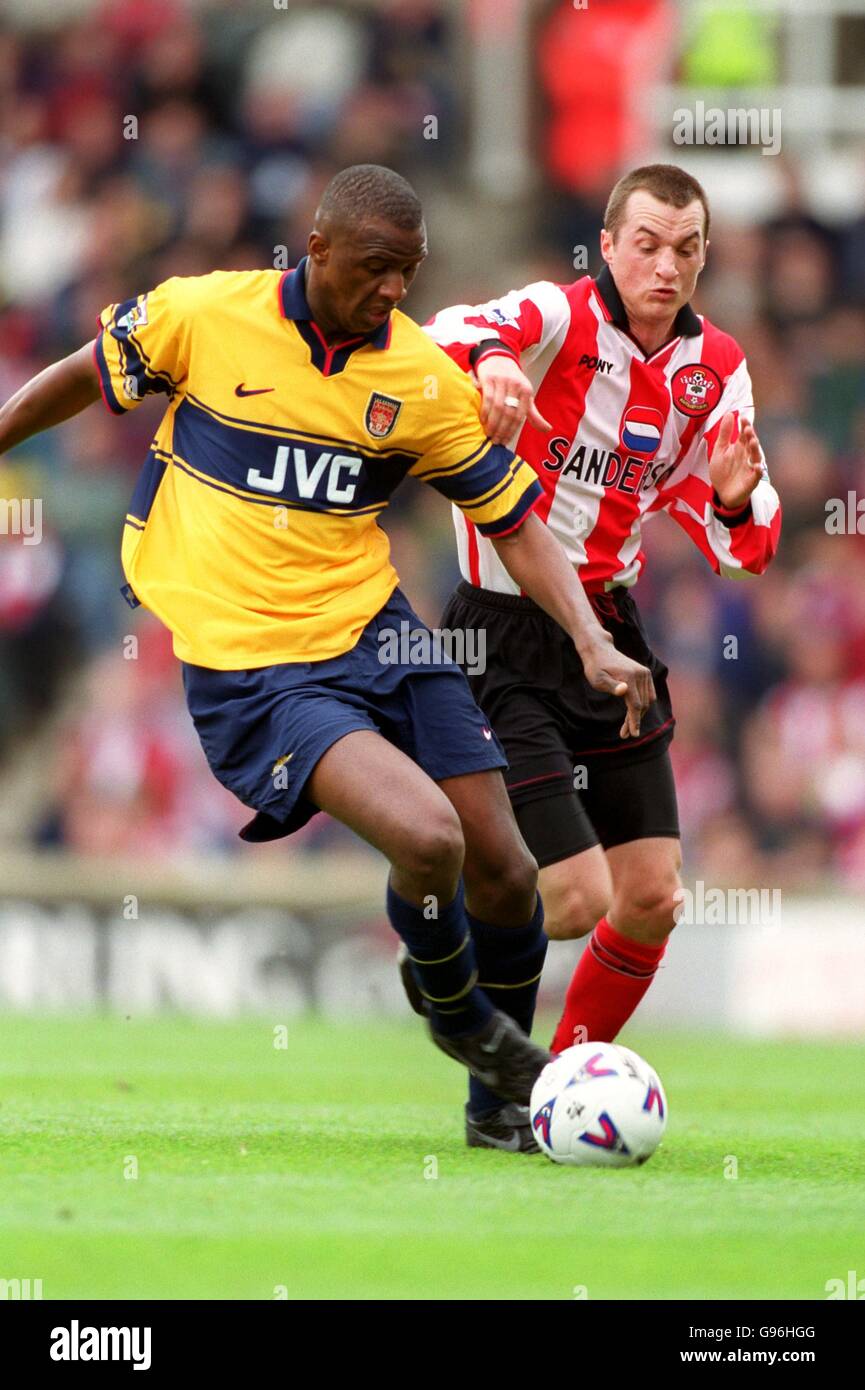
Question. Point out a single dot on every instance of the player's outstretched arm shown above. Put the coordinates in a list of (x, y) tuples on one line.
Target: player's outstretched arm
[(535, 560), (54, 395)]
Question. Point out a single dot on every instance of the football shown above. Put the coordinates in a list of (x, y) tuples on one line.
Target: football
[(598, 1104)]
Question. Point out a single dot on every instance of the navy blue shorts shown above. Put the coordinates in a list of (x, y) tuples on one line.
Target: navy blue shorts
[(264, 729)]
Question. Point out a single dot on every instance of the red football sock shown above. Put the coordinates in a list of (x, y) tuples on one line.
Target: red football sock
[(611, 977)]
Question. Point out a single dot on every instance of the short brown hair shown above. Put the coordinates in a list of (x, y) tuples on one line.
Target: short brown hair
[(666, 182)]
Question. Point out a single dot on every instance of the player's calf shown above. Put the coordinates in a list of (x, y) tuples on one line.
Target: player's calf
[(426, 906), (504, 911), (380, 793), (625, 949)]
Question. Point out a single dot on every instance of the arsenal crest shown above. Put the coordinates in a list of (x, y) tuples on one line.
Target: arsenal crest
[(695, 390), (381, 415)]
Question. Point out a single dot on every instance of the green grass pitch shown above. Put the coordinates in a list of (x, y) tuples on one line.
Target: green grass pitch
[(305, 1171)]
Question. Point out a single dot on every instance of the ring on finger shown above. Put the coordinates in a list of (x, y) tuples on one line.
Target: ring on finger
[(513, 402)]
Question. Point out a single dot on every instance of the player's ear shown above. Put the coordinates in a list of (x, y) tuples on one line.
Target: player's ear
[(318, 247), (606, 245)]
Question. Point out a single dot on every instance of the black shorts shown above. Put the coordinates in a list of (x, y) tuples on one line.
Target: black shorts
[(573, 781)]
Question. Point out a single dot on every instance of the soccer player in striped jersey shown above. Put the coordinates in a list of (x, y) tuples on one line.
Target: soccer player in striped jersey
[(296, 404), (626, 403)]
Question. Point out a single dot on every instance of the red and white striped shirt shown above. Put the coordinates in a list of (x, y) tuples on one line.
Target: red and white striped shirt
[(632, 435)]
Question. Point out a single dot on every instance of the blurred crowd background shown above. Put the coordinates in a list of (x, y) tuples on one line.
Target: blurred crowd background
[(139, 141)]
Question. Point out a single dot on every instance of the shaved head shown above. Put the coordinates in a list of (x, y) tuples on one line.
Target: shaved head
[(366, 193), (365, 249)]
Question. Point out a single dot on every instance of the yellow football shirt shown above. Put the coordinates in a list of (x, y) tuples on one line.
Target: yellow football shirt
[(252, 530)]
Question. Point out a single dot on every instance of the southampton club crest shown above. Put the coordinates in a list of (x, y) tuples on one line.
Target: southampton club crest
[(695, 390), (381, 414)]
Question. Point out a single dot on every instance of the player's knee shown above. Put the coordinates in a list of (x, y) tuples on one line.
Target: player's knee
[(652, 907), (437, 845), (522, 878), (510, 893), (574, 912)]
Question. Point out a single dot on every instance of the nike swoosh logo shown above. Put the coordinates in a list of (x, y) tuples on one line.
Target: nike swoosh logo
[(511, 1144), (259, 390)]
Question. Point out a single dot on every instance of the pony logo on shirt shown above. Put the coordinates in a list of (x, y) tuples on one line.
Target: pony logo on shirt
[(381, 415), (695, 390)]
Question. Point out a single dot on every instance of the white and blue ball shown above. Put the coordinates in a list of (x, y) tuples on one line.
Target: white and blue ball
[(598, 1105)]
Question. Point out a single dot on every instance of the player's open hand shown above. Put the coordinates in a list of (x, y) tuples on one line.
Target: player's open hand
[(736, 468), (508, 399), (608, 670)]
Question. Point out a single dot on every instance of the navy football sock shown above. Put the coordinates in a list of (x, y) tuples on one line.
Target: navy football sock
[(510, 961), (443, 963)]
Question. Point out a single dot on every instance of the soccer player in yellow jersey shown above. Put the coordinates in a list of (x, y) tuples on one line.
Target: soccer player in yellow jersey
[(297, 403)]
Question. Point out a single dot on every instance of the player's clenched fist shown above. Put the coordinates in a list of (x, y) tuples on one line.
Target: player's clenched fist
[(508, 398)]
